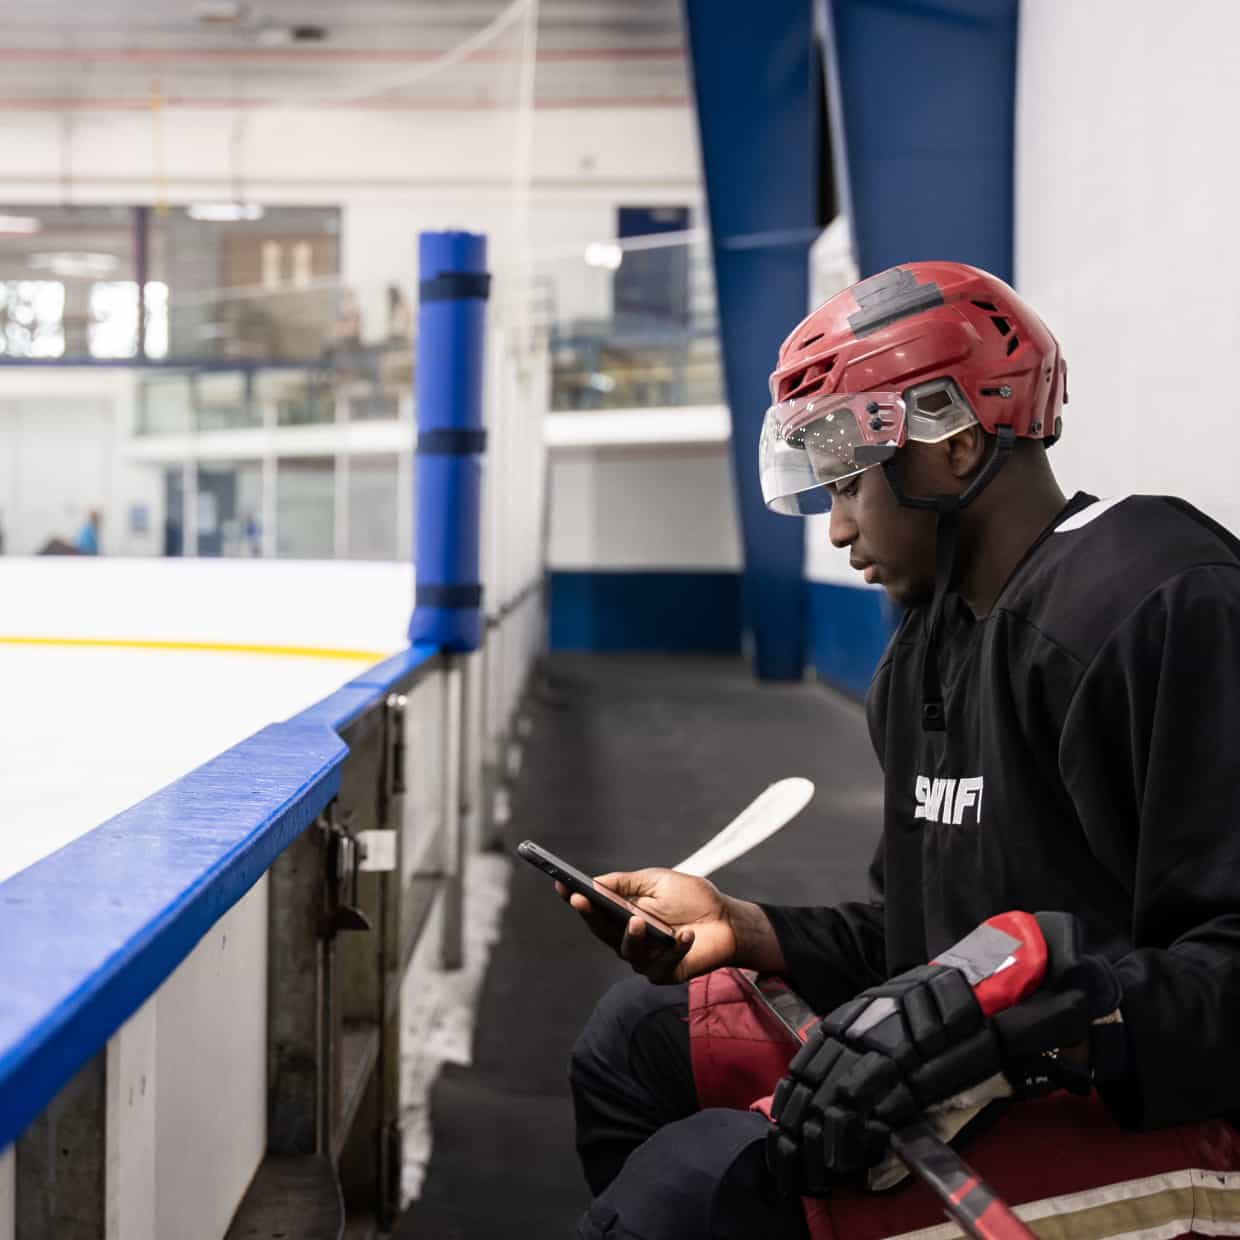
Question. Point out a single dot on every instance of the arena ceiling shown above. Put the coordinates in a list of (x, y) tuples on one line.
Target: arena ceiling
[(133, 54)]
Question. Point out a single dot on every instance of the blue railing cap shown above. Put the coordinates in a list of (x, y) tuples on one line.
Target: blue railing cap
[(89, 933)]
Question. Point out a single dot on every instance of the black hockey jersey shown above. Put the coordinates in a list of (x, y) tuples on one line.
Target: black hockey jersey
[(1091, 764)]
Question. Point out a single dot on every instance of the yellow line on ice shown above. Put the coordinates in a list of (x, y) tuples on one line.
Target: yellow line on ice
[(120, 643)]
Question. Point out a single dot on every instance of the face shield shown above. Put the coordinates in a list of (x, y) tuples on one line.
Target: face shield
[(809, 443), (813, 441)]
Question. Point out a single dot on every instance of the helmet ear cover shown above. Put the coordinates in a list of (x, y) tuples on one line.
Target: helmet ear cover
[(1005, 441)]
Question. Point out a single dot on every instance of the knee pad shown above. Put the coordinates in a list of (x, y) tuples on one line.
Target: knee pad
[(606, 1040), (692, 1180)]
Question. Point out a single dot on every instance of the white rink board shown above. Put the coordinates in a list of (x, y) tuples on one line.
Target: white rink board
[(211, 1073), (87, 732)]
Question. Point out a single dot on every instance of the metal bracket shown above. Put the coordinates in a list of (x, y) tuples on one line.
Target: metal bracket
[(376, 851), (396, 704), (341, 912)]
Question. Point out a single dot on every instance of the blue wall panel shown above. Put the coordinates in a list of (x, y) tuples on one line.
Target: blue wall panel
[(759, 102), (681, 612), (849, 628), (928, 94), (924, 95)]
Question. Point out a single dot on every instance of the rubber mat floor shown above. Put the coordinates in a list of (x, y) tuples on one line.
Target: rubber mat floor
[(632, 760)]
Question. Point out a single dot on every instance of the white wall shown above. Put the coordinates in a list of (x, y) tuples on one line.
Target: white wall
[(305, 156), (62, 436), (652, 508), (1126, 238)]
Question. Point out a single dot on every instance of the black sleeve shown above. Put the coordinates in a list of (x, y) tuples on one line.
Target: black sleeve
[(1151, 757), (832, 953)]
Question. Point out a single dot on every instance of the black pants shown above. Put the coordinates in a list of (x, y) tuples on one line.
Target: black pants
[(661, 1168)]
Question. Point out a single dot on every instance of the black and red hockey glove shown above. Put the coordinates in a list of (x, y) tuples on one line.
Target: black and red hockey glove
[(1004, 999)]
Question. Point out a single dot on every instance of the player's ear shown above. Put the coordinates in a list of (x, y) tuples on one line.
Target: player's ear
[(965, 452)]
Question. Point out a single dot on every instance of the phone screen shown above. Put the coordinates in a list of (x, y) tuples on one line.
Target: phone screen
[(615, 905)]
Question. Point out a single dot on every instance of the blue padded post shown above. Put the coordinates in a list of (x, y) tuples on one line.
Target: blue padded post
[(452, 300)]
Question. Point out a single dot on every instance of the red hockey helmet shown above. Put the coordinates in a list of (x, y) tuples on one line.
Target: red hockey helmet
[(916, 352)]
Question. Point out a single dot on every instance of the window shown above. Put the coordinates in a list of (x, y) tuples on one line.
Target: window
[(306, 508), (114, 319), (32, 318)]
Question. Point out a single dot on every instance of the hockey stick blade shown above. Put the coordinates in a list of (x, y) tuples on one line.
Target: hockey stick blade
[(772, 809)]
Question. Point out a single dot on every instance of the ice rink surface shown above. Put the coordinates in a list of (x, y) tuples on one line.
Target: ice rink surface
[(117, 677)]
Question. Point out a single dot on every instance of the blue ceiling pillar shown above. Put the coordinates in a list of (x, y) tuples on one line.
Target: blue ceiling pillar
[(927, 92), (759, 104)]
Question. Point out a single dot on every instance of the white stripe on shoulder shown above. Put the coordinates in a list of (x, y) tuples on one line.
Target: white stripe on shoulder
[(1081, 519)]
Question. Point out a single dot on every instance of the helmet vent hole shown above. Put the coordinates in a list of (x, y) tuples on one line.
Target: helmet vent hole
[(806, 382), (1001, 323), (986, 305), (810, 340), (934, 402), (1012, 345)]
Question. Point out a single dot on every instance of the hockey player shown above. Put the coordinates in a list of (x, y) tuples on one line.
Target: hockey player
[(1053, 718)]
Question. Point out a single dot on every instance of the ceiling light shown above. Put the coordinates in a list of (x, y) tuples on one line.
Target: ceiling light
[(75, 264), (19, 225), (604, 254), (218, 12), (225, 212), (285, 36)]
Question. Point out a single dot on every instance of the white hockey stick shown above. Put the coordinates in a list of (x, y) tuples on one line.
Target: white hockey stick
[(772, 809)]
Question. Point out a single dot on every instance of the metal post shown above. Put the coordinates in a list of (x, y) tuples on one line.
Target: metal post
[(61, 1185), (141, 273), (471, 751), (452, 950)]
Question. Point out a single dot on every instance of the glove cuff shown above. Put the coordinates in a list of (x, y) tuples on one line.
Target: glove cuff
[(1109, 1052), (1100, 983)]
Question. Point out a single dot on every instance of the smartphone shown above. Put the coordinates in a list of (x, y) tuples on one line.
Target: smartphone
[(615, 906)]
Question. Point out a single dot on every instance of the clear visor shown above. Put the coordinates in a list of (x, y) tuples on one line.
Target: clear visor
[(811, 442)]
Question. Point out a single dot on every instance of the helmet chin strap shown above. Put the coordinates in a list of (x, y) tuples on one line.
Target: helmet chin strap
[(948, 508)]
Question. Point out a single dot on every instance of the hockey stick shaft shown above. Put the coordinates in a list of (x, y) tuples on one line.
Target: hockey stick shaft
[(963, 1194)]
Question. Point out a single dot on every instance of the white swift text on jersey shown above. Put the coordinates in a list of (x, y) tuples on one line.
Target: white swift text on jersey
[(946, 800)]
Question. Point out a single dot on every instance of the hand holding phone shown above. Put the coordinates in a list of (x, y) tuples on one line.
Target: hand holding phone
[(608, 902)]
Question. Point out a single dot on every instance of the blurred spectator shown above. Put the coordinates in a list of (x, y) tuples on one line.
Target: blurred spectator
[(253, 534), (58, 546), (87, 538), (400, 317), (348, 326)]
